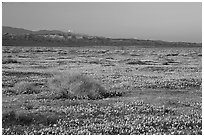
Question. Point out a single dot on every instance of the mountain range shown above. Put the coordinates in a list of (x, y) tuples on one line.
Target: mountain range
[(22, 37)]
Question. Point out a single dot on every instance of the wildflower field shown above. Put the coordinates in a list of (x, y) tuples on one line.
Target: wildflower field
[(101, 90)]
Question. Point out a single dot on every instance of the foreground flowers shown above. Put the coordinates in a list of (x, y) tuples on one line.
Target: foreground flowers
[(119, 118)]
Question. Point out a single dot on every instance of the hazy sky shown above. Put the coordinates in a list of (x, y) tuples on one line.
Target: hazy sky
[(159, 21)]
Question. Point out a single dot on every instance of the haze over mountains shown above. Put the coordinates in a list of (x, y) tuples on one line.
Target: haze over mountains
[(22, 37)]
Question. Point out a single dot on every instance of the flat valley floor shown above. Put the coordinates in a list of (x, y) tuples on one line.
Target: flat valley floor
[(158, 91)]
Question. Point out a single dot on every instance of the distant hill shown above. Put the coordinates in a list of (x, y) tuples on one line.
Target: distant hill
[(44, 32), (15, 31), (22, 37), (20, 31)]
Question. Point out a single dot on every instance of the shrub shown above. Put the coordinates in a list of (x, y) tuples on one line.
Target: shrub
[(165, 63), (29, 118), (24, 87), (8, 118), (9, 60), (24, 119), (172, 54), (200, 54), (138, 62), (8, 91), (12, 118), (76, 86)]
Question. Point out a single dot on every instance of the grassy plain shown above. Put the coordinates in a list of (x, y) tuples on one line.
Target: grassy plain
[(155, 90)]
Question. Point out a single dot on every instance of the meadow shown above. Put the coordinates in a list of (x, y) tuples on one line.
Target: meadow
[(139, 90)]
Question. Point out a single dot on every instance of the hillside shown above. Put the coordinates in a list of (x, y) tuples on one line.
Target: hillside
[(22, 37), (15, 31)]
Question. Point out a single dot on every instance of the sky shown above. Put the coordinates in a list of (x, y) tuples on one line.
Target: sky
[(156, 21)]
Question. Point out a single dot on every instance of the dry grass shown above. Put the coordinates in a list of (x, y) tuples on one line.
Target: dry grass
[(24, 87), (76, 86)]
